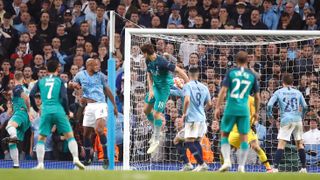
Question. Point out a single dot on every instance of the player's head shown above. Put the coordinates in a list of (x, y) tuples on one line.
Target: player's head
[(241, 58), (287, 79), (147, 50), (92, 65), (18, 76), (52, 66), (194, 72)]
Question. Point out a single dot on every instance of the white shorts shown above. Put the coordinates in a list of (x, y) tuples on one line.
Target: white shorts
[(195, 130), (294, 128), (94, 111)]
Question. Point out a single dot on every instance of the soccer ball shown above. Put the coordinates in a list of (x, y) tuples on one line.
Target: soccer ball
[(178, 82)]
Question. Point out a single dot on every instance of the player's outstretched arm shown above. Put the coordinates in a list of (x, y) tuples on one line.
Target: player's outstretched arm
[(109, 94), (32, 94), (221, 96), (182, 74)]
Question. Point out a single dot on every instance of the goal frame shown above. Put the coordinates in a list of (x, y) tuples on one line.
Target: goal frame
[(137, 31)]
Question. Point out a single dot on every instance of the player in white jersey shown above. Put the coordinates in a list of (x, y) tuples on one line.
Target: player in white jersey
[(196, 97), (289, 100)]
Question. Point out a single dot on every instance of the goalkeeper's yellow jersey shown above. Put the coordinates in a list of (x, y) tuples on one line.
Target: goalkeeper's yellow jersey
[(252, 111)]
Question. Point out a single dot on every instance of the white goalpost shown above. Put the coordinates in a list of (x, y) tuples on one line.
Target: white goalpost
[(271, 53)]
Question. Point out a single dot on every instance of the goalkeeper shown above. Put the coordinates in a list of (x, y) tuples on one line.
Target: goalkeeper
[(159, 80), (234, 137)]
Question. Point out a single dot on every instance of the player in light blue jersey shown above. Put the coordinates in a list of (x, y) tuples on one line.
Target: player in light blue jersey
[(196, 97), (93, 84), (289, 100)]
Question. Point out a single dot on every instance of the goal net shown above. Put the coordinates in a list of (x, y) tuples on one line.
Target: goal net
[(270, 54)]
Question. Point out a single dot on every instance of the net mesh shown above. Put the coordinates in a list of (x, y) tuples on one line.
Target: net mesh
[(269, 56)]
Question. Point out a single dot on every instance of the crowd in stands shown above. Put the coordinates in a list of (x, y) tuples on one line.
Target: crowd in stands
[(70, 31)]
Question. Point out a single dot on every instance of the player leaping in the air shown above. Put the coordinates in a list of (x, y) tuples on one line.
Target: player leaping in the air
[(289, 100), (54, 112), (19, 122), (159, 79), (238, 84), (95, 89), (234, 137)]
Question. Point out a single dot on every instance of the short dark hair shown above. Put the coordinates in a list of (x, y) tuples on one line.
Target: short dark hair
[(242, 57), (193, 69), (311, 15), (147, 48), (52, 66), (287, 79)]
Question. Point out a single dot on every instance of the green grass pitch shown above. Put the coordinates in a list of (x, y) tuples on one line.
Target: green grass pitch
[(19, 174)]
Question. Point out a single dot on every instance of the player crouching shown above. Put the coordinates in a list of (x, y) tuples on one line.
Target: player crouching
[(196, 96)]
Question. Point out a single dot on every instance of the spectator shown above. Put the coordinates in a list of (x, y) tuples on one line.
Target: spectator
[(14, 8), (205, 12), (91, 11), (269, 17), (46, 30), (175, 17), (162, 14), (57, 11), (290, 19), (98, 25), (311, 22), (311, 140), (215, 23), (304, 64), (241, 15), (25, 19), (155, 22), (77, 15), (23, 8), (255, 22), (33, 41), (9, 42), (145, 16), (85, 32)]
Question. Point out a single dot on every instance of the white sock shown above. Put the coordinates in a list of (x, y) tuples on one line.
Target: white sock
[(14, 153), (225, 150), (40, 152), (243, 156), (157, 130), (73, 148), (12, 131)]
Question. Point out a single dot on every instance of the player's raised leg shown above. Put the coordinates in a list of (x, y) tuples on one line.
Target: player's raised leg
[(147, 109), (12, 140)]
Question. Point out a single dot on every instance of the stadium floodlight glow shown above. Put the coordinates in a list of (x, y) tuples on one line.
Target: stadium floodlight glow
[(137, 131)]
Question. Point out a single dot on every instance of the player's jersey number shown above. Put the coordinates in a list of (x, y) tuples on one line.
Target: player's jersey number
[(50, 84), (291, 104), (235, 92)]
